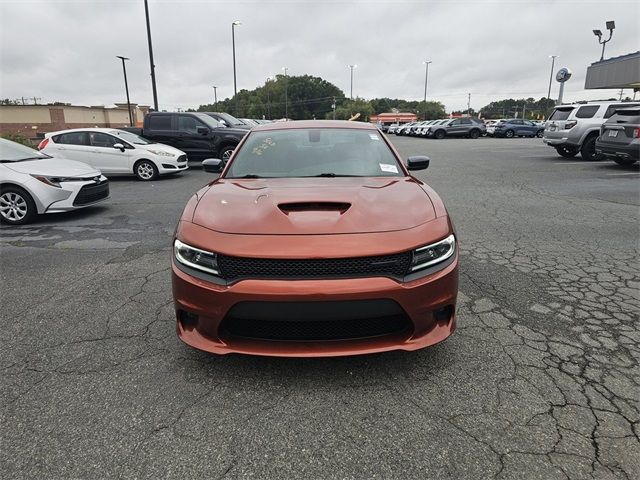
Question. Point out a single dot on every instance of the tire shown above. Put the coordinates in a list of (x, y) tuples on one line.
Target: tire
[(540, 133), (145, 170), (509, 134), (567, 151), (439, 134), (226, 152), (474, 133), (588, 149), (625, 162), (16, 206)]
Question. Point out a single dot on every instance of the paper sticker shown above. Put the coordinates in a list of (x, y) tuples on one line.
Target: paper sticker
[(373, 136), (388, 168)]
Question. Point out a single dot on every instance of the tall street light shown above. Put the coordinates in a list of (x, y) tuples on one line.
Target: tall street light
[(215, 97), (426, 77), (553, 62), (611, 25), (286, 92), (352, 67), (126, 88), (268, 90), (153, 67), (233, 43)]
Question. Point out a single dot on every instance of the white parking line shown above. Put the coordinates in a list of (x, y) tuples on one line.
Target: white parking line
[(572, 163), (625, 173)]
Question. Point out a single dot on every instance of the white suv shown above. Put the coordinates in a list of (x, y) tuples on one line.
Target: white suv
[(115, 152), (573, 129)]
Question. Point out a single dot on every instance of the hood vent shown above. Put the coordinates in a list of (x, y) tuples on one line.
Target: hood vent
[(314, 207)]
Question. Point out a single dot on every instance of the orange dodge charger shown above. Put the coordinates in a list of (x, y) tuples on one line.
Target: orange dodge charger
[(314, 241)]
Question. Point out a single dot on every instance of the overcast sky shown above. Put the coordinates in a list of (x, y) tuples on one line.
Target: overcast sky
[(65, 50)]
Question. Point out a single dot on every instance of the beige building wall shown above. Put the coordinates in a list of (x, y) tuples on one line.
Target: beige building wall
[(88, 116), (25, 114)]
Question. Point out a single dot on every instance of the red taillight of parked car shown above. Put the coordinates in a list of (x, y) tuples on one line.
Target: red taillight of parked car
[(636, 133), (570, 125), (43, 143)]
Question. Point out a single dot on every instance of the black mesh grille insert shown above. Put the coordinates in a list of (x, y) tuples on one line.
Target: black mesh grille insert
[(92, 193), (233, 268), (315, 321)]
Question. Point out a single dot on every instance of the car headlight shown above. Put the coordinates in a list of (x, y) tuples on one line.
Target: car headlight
[(428, 255), (51, 181), (196, 258), (161, 153)]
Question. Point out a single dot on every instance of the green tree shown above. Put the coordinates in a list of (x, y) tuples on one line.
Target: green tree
[(348, 109)]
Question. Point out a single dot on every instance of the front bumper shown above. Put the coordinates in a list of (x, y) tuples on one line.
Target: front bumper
[(69, 197), (207, 305)]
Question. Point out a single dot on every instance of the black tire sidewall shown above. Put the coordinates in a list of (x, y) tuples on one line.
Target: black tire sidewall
[(509, 134), (31, 205), (588, 149), (439, 135), (474, 134)]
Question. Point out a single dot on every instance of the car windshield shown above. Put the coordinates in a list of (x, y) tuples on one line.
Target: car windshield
[(131, 137), (230, 119), (314, 152), (16, 152)]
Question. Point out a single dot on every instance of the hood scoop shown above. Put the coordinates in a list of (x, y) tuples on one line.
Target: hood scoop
[(288, 208)]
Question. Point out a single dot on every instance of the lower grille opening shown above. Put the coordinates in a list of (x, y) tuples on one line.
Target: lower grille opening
[(187, 319), (443, 314), (315, 321), (92, 193)]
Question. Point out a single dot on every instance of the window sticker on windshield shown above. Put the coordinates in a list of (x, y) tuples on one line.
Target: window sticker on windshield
[(373, 136), (385, 167), (263, 146)]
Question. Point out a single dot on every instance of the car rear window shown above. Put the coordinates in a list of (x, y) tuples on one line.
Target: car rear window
[(314, 152), (626, 116), (612, 108), (588, 111), (561, 113)]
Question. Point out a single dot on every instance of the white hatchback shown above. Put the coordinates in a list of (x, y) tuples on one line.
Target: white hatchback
[(115, 152)]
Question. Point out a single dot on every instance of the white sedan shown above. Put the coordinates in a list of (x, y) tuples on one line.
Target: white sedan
[(115, 152), (32, 183)]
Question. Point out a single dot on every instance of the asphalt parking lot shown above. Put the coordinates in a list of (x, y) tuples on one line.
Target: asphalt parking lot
[(539, 381)]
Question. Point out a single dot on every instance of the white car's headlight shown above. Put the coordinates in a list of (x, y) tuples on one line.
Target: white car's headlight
[(428, 255), (196, 258), (161, 153)]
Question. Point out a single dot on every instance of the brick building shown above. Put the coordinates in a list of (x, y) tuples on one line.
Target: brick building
[(33, 121)]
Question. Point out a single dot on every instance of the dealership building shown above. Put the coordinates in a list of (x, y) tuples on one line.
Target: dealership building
[(617, 72)]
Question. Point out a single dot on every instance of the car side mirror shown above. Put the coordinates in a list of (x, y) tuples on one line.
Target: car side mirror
[(119, 146), (212, 165), (418, 162), (202, 130)]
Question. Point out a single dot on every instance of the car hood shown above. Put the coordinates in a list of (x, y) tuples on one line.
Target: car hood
[(162, 148), (54, 167), (308, 206)]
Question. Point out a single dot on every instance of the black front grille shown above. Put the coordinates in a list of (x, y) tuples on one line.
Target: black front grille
[(92, 193), (233, 268), (315, 321)]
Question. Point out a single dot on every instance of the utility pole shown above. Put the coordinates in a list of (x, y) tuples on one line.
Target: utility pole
[(126, 88), (352, 67), (286, 93), (215, 97), (233, 45), (620, 99), (153, 67), (553, 62), (426, 77), (524, 105), (468, 104), (333, 107)]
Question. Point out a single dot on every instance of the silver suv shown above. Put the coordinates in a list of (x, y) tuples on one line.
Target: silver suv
[(573, 129)]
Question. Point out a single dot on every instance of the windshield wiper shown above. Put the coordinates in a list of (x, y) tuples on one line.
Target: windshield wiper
[(331, 175)]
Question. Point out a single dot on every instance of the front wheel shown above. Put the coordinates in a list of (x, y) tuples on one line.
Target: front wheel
[(509, 134), (566, 151), (540, 133), (145, 170), (16, 206), (625, 162), (588, 150), (439, 135), (474, 134)]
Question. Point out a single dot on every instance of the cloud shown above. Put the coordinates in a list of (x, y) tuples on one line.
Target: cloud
[(65, 51)]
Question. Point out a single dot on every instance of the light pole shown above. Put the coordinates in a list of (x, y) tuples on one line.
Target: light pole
[(126, 88), (611, 25), (153, 67), (426, 77), (233, 43), (266, 86), (286, 93), (553, 62), (215, 97), (352, 67)]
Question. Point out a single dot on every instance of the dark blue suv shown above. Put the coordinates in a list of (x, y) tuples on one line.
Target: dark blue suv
[(517, 127)]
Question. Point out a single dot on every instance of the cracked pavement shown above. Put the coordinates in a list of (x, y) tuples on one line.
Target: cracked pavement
[(540, 380)]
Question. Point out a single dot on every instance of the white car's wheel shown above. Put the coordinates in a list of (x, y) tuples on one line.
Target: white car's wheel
[(145, 170), (16, 206)]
